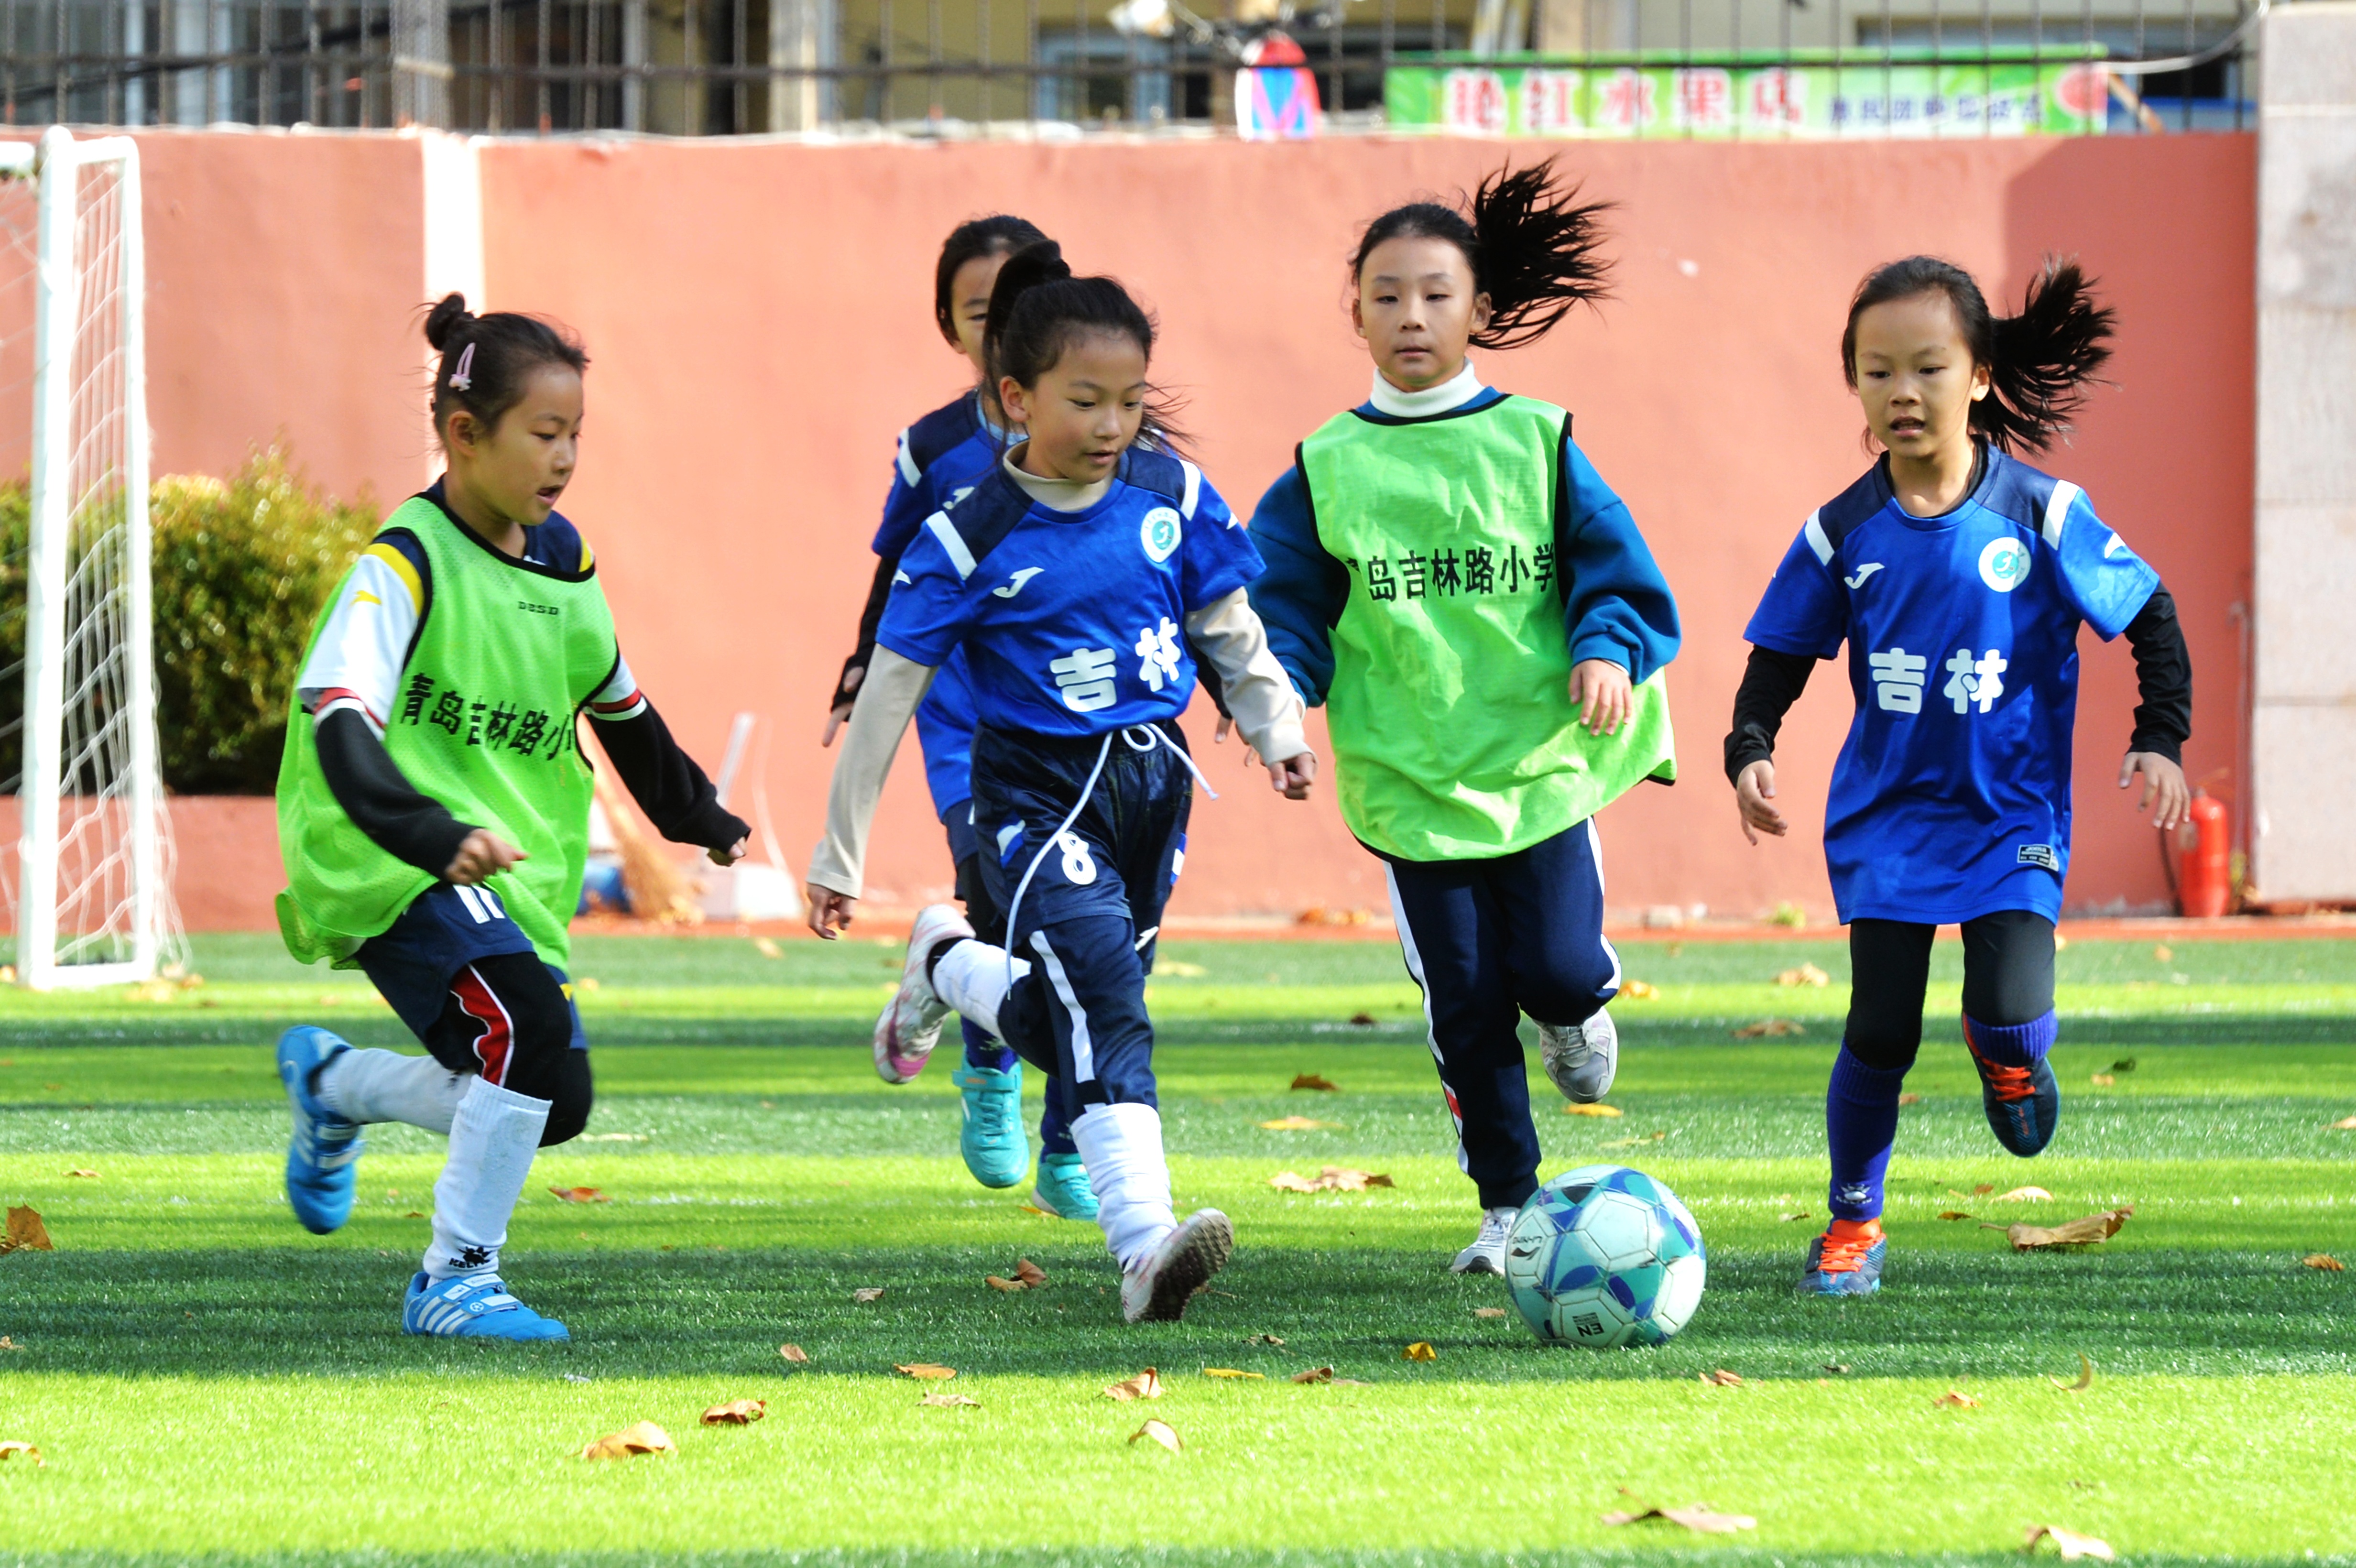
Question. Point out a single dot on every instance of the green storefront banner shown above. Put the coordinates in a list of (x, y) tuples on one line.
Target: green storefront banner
[(1600, 97)]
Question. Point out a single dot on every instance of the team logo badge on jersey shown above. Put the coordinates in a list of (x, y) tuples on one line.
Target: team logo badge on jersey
[(2004, 565), (1159, 533)]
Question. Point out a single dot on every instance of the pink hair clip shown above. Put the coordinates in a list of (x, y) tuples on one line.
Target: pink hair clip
[(463, 376)]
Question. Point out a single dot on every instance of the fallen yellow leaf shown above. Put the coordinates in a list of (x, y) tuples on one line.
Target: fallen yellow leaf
[(1296, 1124), (1722, 1379), (1910, 1098), (580, 1195), (2164, 954), (2099, 1227), (27, 1232), (2103, 1080), (997, 1282), (2344, 1124), (945, 1401), (736, 1412), (1146, 1384), (1161, 1433), (85, 1174), (795, 1354), (767, 948), (1317, 1082), (1573, 1108), (1805, 975), (1332, 1179), (2086, 1376), (932, 1371), (1956, 1398), (8, 1344), (867, 1292), (1420, 1350), (2324, 1261), (641, 1437), (2072, 1546), (1952, 1214), (1313, 1375), (1770, 1028), (1638, 991), (1696, 1516), (10, 1450), (1803, 1214), (1265, 1340), (1233, 1372), (2025, 1195), (1488, 1312)]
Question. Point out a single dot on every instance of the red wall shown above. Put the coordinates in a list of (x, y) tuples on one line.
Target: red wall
[(759, 318)]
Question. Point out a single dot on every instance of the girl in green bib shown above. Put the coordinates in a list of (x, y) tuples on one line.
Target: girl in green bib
[(433, 815), (1475, 608)]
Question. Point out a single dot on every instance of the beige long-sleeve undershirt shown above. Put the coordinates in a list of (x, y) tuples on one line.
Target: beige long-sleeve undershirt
[(1228, 633)]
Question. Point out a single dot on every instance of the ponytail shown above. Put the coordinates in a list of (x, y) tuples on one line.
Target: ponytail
[(1038, 309), (998, 234), (486, 360), (1534, 249), (2039, 363)]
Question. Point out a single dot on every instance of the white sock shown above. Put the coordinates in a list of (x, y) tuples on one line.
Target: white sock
[(974, 978), (1121, 1146), (493, 1138), (388, 1086)]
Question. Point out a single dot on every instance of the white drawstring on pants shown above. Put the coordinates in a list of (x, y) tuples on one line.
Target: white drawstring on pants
[(1154, 739)]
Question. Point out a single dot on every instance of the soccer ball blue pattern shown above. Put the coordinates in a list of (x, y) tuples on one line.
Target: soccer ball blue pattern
[(1605, 1257)]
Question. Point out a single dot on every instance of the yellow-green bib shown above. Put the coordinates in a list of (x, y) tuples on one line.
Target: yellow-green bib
[(1455, 735), (505, 655)]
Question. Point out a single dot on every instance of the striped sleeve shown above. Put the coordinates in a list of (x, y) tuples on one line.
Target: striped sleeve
[(619, 698), (356, 663)]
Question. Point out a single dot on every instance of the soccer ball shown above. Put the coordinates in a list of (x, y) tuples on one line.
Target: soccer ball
[(1605, 1257)]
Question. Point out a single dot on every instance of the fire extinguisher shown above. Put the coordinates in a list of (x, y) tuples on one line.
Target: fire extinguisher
[(2199, 857)]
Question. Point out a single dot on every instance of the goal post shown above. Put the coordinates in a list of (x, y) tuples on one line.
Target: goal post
[(94, 905)]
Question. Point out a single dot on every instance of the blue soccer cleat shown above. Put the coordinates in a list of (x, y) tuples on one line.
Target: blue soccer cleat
[(474, 1307), (2023, 1104), (1846, 1260), (322, 1156), (1064, 1189), (992, 1137)]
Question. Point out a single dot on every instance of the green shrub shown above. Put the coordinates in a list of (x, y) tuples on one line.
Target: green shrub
[(241, 569)]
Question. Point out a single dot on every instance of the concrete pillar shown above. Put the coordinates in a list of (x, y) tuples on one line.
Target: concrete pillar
[(421, 62), (2303, 723)]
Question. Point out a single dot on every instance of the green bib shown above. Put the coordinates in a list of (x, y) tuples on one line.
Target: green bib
[(1455, 735), (504, 656)]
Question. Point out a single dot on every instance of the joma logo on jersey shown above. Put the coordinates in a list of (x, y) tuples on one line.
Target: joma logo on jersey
[(2004, 565), (538, 608)]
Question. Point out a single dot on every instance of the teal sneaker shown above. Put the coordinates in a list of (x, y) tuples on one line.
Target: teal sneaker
[(322, 1156), (472, 1308), (1063, 1189), (991, 1138)]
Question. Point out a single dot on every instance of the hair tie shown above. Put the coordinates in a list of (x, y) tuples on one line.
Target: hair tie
[(463, 376)]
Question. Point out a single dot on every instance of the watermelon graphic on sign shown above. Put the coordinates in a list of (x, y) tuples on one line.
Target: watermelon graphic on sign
[(1276, 93)]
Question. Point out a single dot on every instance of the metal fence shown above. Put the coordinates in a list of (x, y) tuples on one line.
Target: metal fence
[(1031, 67)]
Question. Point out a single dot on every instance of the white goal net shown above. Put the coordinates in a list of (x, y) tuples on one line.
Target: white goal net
[(89, 890)]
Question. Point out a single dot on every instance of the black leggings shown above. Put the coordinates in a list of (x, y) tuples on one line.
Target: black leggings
[(2007, 979), (507, 1018)]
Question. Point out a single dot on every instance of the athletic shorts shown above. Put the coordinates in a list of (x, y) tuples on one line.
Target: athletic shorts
[(445, 928)]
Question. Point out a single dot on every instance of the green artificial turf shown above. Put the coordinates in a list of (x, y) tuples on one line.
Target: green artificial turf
[(210, 1384)]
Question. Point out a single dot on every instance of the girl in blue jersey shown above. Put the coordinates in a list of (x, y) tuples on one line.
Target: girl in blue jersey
[(1080, 578), (939, 458), (1451, 579), (1959, 577)]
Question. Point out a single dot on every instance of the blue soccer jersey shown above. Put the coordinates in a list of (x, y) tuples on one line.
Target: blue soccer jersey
[(1072, 623), (1951, 798), (939, 461)]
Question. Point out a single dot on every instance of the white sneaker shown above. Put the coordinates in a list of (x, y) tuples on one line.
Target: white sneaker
[(1157, 1287), (911, 1023), (1581, 1059), (1487, 1253)]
